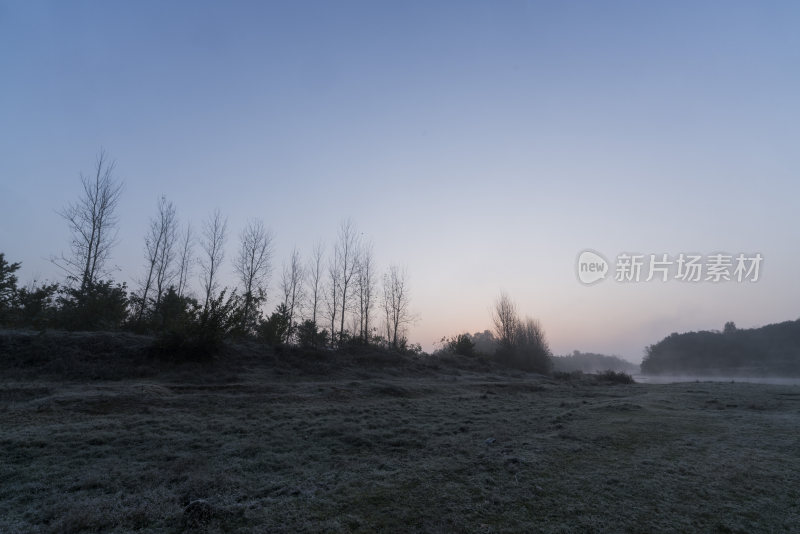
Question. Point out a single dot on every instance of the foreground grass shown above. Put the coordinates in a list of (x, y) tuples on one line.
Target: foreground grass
[(461, 452)]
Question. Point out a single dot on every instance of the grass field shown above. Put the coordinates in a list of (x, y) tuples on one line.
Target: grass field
[(445, 450)]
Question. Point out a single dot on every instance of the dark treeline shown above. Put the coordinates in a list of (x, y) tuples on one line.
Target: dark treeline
[(589, 362), (332, 299), (772, 350)]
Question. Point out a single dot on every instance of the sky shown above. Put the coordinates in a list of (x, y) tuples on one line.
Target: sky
[(481, 145)]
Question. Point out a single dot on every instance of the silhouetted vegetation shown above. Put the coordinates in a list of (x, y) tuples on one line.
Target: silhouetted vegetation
[(616, 377), (101, 305), (461, 344), (358, 314), (589, 362), (95, 306), (35, 306), (194, 326), (522, 343), (8, 287), (772, 350), (518, 343), (604, 377)]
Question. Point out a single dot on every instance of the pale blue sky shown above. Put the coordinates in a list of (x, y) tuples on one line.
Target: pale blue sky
[(481, 144)]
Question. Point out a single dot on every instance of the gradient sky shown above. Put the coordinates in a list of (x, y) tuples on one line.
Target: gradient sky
[(483, 145)]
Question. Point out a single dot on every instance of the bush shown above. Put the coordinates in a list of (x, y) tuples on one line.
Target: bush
[(461, 344), (530, 359), (275, 328), (99, 306), (8, 288), (308, 336), (191, 334), (611, 377), (567, 376), (616, 377), (522, 344), (528, 349), (36, 306), (175, 312)]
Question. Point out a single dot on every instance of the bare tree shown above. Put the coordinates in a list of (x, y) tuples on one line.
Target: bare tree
[(159, 244), (254, 267), (395, 304), (185, 261), (92, 222), (522, 343), (332, 291), (506, 320), (292, 288), (165, 271), (365, 289), (347, 256), (215, 231), (530, 335), (315, 272), (531, 350)]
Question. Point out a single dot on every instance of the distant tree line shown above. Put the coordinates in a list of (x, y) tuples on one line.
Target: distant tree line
[(772, 350), (331, 299), (590, 362)]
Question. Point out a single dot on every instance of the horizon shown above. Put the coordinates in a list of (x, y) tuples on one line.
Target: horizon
[(482, 146)]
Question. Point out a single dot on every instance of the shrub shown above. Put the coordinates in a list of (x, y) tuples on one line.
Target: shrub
[(275, 328), (568, 375), (191, 334), (616, 377), (461, 344), (98, 306), (528, 349), (36, 306), (8, 288), (522, 344), (309, 336)]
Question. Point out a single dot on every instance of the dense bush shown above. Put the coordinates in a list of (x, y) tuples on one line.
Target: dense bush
[(98, 306), (8, 288), (191, 333), (36, 307), (616, 377), (309, 336), (528, 349), (101, 305), (461, 345), (275, 329)]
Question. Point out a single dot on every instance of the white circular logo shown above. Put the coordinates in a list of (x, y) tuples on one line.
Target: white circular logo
[(592, 267)]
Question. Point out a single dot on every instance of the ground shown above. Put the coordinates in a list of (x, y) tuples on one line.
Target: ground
[(438, 450)]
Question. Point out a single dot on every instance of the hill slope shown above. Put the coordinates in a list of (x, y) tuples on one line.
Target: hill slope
[(772, 350)]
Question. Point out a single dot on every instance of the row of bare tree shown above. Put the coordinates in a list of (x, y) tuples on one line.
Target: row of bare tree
[(338, 289)]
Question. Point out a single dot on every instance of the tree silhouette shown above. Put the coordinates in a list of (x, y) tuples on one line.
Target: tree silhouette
[(8, 287), (92, 222), (254, 267), (159, 256), (215, 231), (396, 304)]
